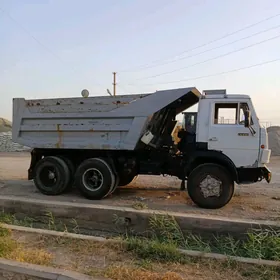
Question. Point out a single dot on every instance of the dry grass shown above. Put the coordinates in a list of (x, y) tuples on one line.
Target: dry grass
[(129, 273), (140, 206), (40, 257), (13, 250)]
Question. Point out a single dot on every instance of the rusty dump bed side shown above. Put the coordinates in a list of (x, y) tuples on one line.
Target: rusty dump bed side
[(102, 122)]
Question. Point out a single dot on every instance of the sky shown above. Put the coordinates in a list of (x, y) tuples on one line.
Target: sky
[(56, 48)]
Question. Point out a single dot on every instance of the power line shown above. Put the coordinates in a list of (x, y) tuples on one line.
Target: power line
[(29, 34), (36, 40), (205, 44), (207, 60), (47, 48), (211, 49), (217, 74)]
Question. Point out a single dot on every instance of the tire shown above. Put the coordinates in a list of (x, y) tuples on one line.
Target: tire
[(104, 178), (116, 184), (51, 167), (126, 179), (204, 199), (72, 170)]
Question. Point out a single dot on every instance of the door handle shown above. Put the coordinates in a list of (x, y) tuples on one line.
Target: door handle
[(213, 139)]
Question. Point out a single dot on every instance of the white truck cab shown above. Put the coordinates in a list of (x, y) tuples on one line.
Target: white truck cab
[(228, 123)]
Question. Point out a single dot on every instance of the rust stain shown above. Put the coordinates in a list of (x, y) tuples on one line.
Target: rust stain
[(31, 104), (120, 103), (91, 130), (60, 133)]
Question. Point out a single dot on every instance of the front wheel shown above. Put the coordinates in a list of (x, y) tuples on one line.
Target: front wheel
[(210, 186)]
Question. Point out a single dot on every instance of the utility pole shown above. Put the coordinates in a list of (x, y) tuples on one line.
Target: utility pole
[(114, 83)]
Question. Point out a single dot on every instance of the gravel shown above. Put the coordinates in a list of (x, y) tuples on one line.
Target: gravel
[(274, 140), (7, 145)]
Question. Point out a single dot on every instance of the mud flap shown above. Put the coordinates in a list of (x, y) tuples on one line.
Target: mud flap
[(266, 174), (35, 157)]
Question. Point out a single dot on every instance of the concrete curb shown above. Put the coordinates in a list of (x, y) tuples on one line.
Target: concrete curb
[(199, 254), (114, 219), (42, 272), (189, 253), (60, 234)]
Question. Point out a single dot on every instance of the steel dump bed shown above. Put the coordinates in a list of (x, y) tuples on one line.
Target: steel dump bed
[(101, 122)]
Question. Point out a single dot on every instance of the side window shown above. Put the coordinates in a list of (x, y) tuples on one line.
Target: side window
[(190, 119), (226, 113)]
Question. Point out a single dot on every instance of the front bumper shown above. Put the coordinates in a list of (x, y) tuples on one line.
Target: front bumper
[(265, 156), (266, 174)]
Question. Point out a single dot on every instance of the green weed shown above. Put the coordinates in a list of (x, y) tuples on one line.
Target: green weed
[(167, 236)]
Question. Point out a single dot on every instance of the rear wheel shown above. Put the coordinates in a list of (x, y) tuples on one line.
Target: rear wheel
[(210, 186), (51, 175), (95, 178), (72, 170), (116, 184)]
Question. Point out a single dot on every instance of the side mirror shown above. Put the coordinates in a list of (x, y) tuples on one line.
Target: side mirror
[(247, 118)]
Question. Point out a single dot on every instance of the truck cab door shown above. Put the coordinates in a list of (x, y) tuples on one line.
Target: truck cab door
[(228, 134)]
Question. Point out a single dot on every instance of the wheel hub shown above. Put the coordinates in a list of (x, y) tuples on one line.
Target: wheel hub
[(92, 179), (210, 187), (51, 175), (48, 176)]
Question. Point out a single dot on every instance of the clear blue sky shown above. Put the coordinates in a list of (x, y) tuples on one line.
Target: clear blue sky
[(55, 48)]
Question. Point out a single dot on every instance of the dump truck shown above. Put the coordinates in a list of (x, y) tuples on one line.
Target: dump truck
[(100, 143)]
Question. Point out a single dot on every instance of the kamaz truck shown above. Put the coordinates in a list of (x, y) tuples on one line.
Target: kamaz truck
[(100, 143)]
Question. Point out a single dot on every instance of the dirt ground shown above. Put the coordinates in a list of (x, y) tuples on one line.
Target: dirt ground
[(114, 262), (256, 201)]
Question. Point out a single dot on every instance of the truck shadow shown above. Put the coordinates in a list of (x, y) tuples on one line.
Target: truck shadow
[(27, 189)]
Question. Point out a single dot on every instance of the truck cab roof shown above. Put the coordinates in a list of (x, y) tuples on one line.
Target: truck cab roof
[(221, 93), (227, 96)]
